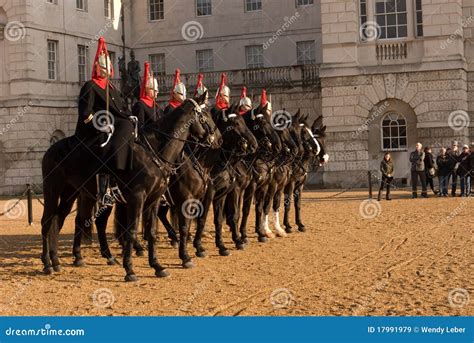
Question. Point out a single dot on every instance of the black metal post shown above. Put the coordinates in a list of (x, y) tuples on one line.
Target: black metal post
[(29, 194), (370, 184)]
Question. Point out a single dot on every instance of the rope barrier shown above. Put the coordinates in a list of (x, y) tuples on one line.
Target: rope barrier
[(11, 208)]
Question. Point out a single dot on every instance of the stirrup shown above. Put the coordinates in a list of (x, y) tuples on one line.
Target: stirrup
[(107, 200), (117, 195)]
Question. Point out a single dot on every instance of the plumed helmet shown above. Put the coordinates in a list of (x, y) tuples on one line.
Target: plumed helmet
[(178, 86), (244, 100), (200, 88)]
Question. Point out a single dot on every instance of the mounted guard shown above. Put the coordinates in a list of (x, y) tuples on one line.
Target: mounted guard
[(104, 127), (146, 109), (245, 103), (201, 89), (264, 102), (178, 93)]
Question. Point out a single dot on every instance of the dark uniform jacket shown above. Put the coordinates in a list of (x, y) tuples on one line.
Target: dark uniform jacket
[(117, 154), (146, 115)]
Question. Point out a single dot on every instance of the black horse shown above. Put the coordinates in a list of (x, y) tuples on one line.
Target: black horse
[(238, 142), (300, 169), (64, 178)]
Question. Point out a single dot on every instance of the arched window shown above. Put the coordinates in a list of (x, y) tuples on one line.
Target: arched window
[(394, 132)]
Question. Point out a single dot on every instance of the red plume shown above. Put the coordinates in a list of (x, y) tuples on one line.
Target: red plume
[(199, 83), (177, 79), (244, 92), (101, 48), (263, 100)]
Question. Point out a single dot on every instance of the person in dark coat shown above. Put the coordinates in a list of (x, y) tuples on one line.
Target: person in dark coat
[(464, 170), (417, 159), (104, 127), (454, 153), (146, 109), (387, 169), (444, 170), (178, 94), (430, 169), (471, 158)]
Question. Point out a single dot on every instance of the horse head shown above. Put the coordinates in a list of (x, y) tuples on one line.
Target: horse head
[(261, 127), (319, 133)]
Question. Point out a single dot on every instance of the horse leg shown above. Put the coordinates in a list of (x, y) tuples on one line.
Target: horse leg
[(246, 201), (184, 222), (201, 222), (297, 195), (276, 213), (101, 218), (267, 202), (149, 225), (139, 249), (162, 212), (287, 205), (259, 199), (127, 230), (84, 218), (218, 206), (232, 216)]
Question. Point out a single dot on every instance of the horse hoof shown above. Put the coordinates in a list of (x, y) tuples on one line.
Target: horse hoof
[(48, 271), (79, 263), (224, 252), (162, 273), (112, 261), (262, 239), (201, 254), (131, 278), (188, 265), (288, 230), (240, 246), (301, 228), (57, 268), (140, 253), (245, 240), (174, 244)]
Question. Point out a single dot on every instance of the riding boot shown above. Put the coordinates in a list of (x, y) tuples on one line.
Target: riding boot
[(104, 197), (387, 196)]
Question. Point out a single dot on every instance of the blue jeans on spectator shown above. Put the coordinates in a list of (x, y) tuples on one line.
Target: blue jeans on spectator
[(465, 185), (443, 184)]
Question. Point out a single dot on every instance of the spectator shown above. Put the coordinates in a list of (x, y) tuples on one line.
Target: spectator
[(430, 170), (387, 169), (464, 171), (454, 154), (444, 169), (417, 159)]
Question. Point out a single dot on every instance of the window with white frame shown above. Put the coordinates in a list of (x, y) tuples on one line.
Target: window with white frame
[(81, 5), (157, 64), (364, 35), (306, 52), (82, 61), (205, 60), (253, 5), (52, 59), (303, 2), (391, 17), (394, 132), (108, 8), (156, 9), (419, 18), (203, 7), (254, 56)]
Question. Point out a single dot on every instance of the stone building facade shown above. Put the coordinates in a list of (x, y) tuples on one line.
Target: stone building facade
[(385, 94)]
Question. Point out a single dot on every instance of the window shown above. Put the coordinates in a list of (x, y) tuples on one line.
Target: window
[(363, 20), (205, 60), (156, 9), (81, 5), (254, 54), (82, 61), (391, 16), (253, 5), (203, 7), (419, 19), (303, 2), (157, 64), (394, 132), (306, 52), (108, 9), (52, 59)]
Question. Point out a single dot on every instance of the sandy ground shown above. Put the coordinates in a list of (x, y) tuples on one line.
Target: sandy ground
[(415, 257)]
